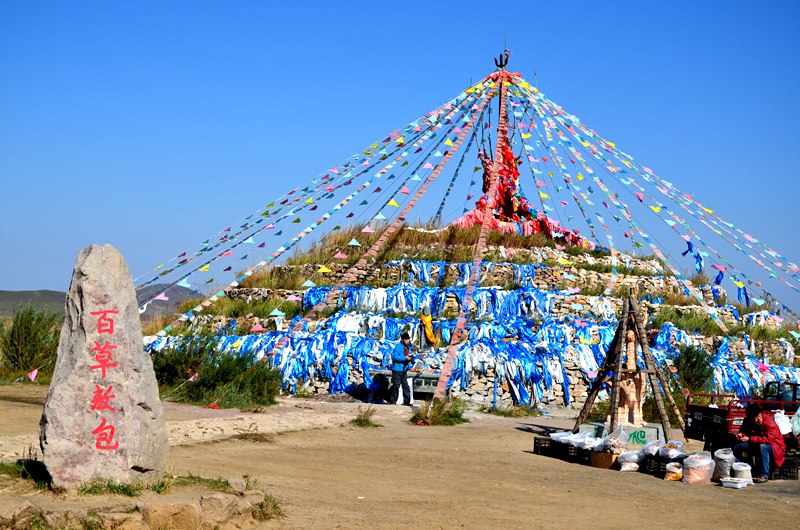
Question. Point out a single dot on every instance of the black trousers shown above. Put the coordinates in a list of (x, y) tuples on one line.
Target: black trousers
[(399, 378)]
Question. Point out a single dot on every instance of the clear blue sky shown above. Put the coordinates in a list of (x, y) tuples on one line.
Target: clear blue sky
[(152, 125)]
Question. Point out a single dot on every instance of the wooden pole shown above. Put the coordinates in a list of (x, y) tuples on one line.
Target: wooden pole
[(651, 370), (452, 348), (597, 384), (623, 326)]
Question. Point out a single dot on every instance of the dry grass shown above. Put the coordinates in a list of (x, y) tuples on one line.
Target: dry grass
[(451, 244)]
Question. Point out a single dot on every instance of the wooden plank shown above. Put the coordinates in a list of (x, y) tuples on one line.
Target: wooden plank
[(651, 370), (623, 327), (455, 338)]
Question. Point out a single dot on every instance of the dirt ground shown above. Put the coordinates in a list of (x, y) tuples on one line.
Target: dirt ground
[(328, 474)]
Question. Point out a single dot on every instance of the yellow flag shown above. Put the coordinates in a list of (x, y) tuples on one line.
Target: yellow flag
[(205, 268), (656, 208), (708, 211), (324, 269), (562, 261), (524, 84), (585, 144), (309, 200), (158, 267), (400, 140), (612, 144), (550, 173), (375, 145), (738, 284), (392, 203), (580, 176), (448, 142), (526, 135), (543, 195)]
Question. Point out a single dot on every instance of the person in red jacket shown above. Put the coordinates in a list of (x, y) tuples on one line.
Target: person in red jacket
[(760, 437)]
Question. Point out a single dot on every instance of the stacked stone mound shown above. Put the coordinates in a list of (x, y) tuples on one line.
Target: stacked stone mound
[(578, 284)]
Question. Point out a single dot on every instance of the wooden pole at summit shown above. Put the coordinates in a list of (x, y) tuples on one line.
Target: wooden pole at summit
[(480, 246)]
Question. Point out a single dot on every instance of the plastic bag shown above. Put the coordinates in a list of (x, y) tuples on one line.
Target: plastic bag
[(796, 424), (674, 471), (671, 450), (629, 466), (723, 460), (590, 442), (742, 471), (698, 468), (617, 441), (651, 448), (631, 456), (783, 422)]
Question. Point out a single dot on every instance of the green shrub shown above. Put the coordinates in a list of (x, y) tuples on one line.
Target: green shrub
[(31, 341), (441, 412), (229, 379), (364, 418), (694, 369)]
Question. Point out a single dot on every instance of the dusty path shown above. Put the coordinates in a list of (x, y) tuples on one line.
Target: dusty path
[(328, 474)]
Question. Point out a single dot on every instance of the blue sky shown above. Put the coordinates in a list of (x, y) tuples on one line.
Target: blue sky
[(153, 125)]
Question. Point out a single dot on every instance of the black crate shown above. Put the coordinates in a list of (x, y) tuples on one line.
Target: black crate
[(788, 471), (572, 453), (657, 465), (585, 457), (543, 445)]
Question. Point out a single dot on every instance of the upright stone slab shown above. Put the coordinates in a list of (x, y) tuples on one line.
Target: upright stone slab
[(103, 418)]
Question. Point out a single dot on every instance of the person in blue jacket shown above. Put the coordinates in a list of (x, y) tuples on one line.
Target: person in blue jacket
[(401, 359)]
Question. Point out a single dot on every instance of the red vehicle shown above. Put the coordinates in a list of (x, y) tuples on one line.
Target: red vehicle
[(715, 418)]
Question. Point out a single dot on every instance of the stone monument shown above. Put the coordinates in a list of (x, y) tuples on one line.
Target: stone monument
[(103, 418)]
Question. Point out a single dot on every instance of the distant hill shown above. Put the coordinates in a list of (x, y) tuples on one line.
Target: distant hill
[(11, 300)]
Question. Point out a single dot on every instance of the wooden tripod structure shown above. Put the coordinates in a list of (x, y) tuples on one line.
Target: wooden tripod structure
[(630, 319)]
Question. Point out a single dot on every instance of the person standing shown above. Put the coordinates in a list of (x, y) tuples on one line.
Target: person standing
[(401, 357), (761, 438)]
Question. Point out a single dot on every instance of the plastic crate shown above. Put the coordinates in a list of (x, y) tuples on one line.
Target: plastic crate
[(572, 453), (656, 465), (543, 445), (788, 471)]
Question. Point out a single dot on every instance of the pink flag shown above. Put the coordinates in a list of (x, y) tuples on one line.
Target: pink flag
[(163, 297), (293, 298), (257, 327), (340, 255), (368, 230), (192, 379), (639, 196), (427, 166), (405, 190), (573, 290), (32, 375), (329, 188), (227, 253)]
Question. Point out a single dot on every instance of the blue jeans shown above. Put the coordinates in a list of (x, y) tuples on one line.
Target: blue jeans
[(762, 453)]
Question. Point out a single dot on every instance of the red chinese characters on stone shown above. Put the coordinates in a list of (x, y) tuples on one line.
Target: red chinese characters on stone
[(104, 436), (103, 357), (101, 399), (105, 324)]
